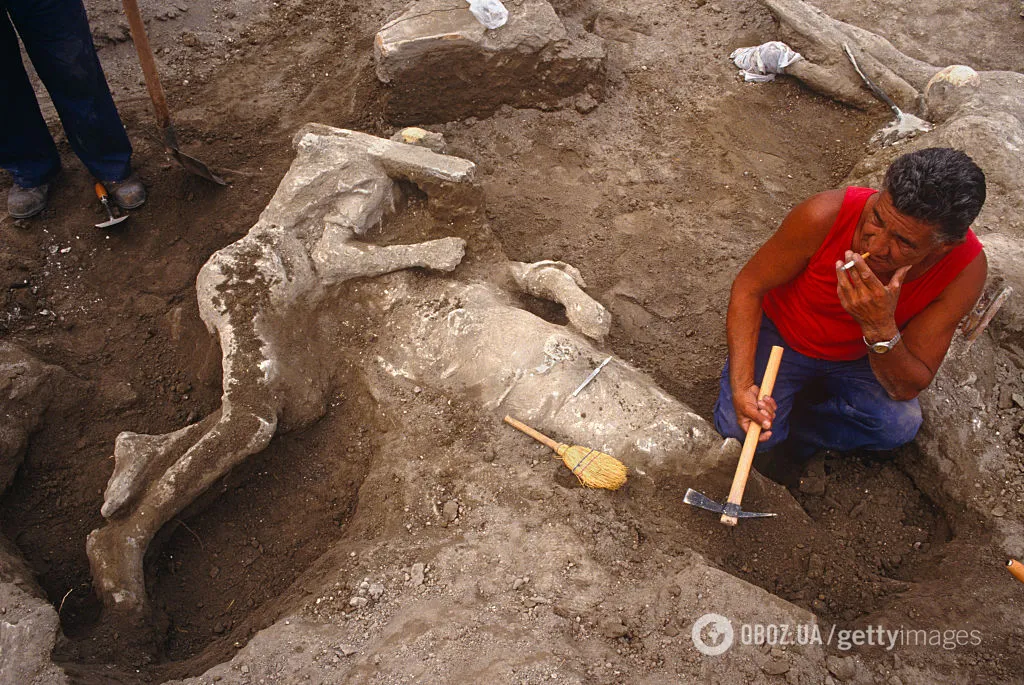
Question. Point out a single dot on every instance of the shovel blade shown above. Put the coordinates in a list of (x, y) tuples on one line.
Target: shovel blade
[(195, 167), (188, 162)]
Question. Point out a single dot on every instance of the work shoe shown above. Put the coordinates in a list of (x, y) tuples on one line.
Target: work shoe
[(23, 203), (129, 193)]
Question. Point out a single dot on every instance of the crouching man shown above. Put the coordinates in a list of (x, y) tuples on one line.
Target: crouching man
[(862, 341)]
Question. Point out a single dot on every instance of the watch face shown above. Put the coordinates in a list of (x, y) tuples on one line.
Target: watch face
[(880, 347)]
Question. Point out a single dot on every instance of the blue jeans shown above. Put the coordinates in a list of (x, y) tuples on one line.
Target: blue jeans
[(853, 412), (57, 39)]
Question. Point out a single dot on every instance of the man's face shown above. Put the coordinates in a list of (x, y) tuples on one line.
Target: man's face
[(895, 240)]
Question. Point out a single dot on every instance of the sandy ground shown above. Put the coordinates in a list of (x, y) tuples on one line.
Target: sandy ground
[(528, 577)]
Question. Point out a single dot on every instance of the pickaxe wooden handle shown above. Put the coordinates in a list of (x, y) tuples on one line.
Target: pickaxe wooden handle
[(1016, 568), (739, 481)]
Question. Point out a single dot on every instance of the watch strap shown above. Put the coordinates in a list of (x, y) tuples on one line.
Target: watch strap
[(885, 345)]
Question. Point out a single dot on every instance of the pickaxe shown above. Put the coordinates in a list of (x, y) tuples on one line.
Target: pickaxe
[(730, 511)]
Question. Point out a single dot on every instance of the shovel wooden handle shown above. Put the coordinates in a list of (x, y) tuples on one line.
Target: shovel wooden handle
[(141, 40), (739, 481)]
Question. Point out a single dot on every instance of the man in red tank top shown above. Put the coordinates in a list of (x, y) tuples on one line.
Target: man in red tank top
[(870, 337)]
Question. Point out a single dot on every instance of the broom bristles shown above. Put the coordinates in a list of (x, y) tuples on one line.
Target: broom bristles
[(593, 469)]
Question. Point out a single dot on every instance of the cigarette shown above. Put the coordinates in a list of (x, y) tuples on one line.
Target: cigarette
[(849, 264)]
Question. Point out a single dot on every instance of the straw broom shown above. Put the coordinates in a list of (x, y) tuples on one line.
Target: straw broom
[(593, 469)]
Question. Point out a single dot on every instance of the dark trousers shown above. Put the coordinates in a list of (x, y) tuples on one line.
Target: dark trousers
[(854, 411), (57, 39)]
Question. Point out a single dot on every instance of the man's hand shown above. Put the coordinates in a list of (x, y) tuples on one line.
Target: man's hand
[(749, 408), (867, 300)]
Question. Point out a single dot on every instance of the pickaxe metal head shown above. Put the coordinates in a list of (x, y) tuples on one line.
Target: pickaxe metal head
[(101, 193), (729, 509)]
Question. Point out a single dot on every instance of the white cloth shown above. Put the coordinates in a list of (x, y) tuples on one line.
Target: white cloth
[(761, 62)]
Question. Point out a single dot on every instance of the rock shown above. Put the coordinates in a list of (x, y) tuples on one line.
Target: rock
[(358, 602), (844, 668), (115, 33), (347, 650), (413, 135), (29, 627), (120, 395), (585, 103), (26, 388), (450, 511), (1005, 397), (417, 574), (815, 566), (1018, 399), (442, 64), (612, 627), (999, 510), (376, 591), (772, 667), (487, 588)]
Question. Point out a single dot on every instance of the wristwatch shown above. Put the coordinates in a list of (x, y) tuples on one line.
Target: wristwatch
[(883, 346)]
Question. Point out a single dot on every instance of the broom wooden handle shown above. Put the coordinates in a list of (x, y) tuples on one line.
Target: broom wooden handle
[(739, 481), (536, 435)]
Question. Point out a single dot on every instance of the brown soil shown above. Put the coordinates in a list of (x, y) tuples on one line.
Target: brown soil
[(679, 148)]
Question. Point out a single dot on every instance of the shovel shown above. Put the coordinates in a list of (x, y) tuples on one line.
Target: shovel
[(156, 93)]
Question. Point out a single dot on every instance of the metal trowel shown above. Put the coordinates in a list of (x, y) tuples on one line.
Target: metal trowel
[(104, 197)]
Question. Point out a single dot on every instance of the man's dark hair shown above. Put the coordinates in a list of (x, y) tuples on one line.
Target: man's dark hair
[(940, 186)]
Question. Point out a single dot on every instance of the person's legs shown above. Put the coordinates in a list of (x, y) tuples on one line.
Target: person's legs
[(794, 372), (57, 39), (858, 413), (26, 148)]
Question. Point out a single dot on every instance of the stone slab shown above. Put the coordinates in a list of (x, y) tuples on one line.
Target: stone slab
[(442, 64)]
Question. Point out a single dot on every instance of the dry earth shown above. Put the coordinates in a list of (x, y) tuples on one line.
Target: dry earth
[(479, 558)]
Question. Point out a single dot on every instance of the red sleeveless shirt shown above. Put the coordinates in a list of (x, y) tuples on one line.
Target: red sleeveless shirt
[(807, 310)]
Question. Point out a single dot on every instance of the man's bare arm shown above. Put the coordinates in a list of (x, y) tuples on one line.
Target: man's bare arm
[(911, 365), (781, 259)]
